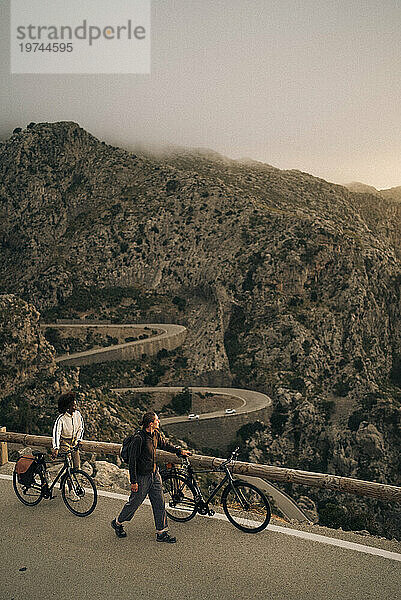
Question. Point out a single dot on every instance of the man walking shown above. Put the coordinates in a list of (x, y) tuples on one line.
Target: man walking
[(145, 477)]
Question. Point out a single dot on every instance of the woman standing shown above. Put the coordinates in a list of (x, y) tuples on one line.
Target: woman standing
[(68, 428)]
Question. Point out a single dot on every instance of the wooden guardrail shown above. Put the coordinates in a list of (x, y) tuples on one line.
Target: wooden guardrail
[(371, 489), (3, 450)]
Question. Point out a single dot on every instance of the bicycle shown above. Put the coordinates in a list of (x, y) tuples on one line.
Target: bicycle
[(78, 489), (244, 505)]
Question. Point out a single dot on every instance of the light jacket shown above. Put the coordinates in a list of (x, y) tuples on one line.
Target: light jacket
[(68, 426)]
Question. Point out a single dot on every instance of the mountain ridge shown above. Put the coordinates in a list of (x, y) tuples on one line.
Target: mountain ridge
[(393, 193), (287, 284)]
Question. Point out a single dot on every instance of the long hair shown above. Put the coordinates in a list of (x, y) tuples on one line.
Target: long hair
[(148, 418)]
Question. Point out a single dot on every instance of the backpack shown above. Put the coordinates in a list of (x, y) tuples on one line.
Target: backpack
[(26, 468), (126, 445)]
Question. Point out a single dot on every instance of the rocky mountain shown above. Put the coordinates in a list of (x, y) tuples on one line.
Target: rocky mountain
[(393, 193), (28, 371), (287, 284), (362, 188), (31, 381)]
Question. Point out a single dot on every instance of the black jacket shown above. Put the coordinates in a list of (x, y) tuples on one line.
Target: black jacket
[(142, 458)]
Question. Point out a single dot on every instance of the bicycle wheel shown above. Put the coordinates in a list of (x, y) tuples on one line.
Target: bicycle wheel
[(246, 507), (31, 494), (180, 497), (79, 493)]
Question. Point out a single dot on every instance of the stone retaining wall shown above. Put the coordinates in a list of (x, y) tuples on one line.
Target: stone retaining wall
[(217, 433), (129, 351)]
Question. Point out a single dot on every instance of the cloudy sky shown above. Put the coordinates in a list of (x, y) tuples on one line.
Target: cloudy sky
[(313, 85)]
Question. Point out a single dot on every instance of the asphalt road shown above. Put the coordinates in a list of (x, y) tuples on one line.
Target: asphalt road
[(67, 557), (166, 331), (251, 400)]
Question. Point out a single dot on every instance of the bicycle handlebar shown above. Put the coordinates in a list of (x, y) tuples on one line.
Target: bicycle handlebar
[(231, 458)]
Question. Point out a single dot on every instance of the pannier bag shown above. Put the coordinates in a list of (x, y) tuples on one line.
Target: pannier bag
[(25, 469)]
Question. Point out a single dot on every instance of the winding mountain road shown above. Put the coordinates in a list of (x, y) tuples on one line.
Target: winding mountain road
[(171, 336), (251, 400)]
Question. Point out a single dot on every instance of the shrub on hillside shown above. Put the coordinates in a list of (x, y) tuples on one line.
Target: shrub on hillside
[(278, 419), (181, 402)]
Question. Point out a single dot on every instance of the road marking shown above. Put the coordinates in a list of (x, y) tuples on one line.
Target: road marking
[(335, 542), (314, 537)]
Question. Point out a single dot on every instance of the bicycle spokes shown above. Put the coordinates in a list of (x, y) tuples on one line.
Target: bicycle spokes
[(180, 498), (79, 493), (246, 507), (29, 495)]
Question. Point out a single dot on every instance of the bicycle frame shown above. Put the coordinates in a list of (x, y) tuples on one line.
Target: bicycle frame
[(64, 471), (244, 504), (78, 490), (201, 503)]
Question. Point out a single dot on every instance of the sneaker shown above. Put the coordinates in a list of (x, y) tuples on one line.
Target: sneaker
[(165, 537), (119, 529), (73, 496)]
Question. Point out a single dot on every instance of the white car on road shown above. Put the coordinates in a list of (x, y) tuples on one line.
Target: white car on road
[(230, 411), (193, 416)]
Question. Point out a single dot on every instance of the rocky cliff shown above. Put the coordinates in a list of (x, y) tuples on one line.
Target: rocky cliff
[(288, 284), (28, 371), (30, 381)]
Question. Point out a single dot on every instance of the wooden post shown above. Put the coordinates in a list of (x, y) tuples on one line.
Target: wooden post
[(3, 450)]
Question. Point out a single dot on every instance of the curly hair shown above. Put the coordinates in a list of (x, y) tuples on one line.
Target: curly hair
[(65, 401)]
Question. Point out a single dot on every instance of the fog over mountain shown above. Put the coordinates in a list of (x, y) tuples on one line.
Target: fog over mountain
[(298, 85)]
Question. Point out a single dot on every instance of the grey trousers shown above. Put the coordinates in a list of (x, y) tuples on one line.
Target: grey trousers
[(147, 485)]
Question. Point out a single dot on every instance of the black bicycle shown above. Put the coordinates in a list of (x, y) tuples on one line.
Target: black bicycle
[(245, 506), (78, 489)]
